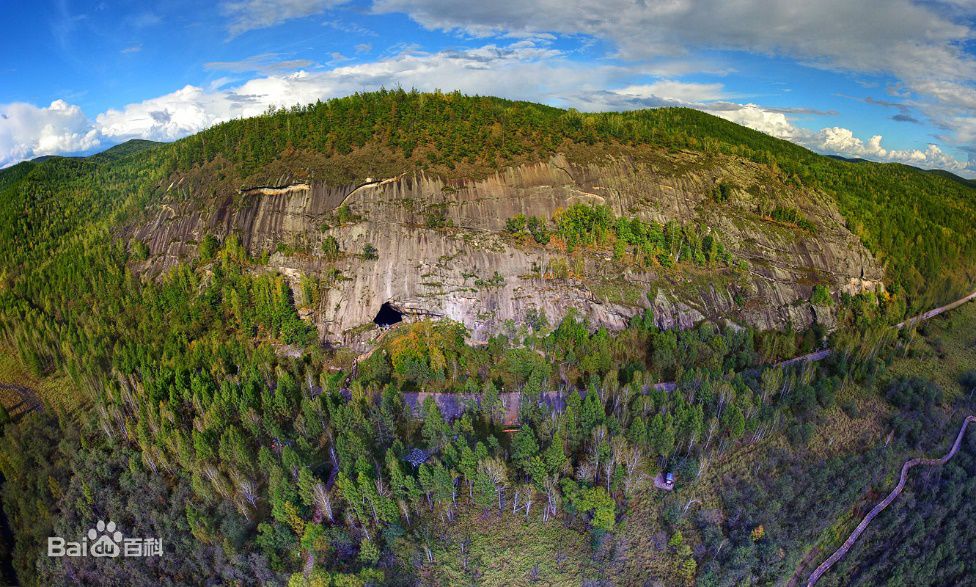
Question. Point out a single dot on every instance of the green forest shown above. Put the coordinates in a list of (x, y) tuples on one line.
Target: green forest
[(182, 418)]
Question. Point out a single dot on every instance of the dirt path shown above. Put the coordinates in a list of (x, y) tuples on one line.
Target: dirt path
[(452, 404), (911, 463), (808, 358), (936, 311)]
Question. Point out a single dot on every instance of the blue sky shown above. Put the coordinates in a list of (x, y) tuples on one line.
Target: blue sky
[(889, 80)]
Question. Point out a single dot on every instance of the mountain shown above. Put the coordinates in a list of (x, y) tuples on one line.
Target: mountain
[(431, 186), (953, 177), (127, 148), (407, 338), (941, 172)]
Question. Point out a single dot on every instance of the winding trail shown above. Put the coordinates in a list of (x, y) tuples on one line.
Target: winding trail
[(936, 311), (452, 404), (909, 464)]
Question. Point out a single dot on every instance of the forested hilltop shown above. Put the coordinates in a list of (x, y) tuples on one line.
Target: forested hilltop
[(193, 400)]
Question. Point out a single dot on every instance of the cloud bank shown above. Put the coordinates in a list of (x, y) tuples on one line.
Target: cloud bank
[(917, 43), (835, 140), (29, 131)]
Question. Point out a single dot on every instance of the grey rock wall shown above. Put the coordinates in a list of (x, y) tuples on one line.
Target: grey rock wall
[(451, 272)]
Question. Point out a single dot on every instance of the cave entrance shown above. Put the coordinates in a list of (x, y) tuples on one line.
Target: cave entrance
[(387, 316)]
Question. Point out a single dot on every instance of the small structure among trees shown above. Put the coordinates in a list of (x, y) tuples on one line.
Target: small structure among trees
[(417, 457), (664, 481)]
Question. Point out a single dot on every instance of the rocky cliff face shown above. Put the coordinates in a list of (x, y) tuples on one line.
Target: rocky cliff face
[(462, 265)]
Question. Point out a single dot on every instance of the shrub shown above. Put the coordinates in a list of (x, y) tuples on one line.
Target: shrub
[(968, 381), (516, 224), (792, 216), (649, 242), (208, 247), (330, 248), (721, 192), (821, 296), (140, 251), (496, 280), (538, 229), (914, 393), (919, 416), (343, 215), (521, 225), (435, 216)]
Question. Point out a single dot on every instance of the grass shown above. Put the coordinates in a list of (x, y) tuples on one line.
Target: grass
[(858, 421), (623, 293), (942, 349), (503, 549), (55, 390), (640, 550)]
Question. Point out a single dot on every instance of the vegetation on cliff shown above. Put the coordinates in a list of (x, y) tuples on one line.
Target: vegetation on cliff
[(647, 243)]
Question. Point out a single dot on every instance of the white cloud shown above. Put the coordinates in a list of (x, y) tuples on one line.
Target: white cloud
[(350, 28), (263, 63), (771, 123), (27, 131), (246, 15), (838, 33), (835, 140), (166, 118), (675, 91), (841, 141), (143, 20)]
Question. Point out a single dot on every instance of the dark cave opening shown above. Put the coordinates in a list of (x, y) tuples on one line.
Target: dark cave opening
[(387, 316)]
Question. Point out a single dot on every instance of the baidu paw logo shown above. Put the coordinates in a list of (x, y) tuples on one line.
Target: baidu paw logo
[(105, 539)]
